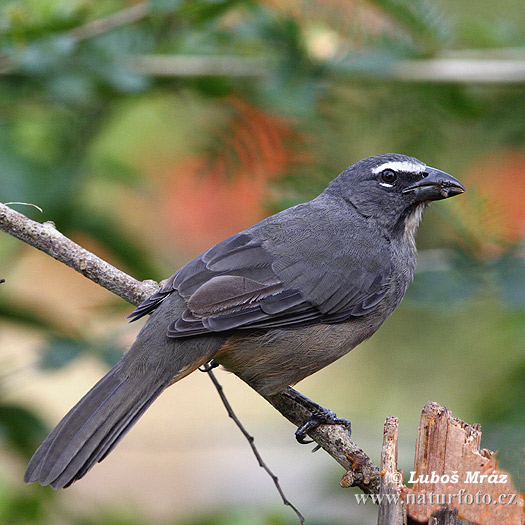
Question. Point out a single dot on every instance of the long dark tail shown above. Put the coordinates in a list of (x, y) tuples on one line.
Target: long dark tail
[(93, 427)]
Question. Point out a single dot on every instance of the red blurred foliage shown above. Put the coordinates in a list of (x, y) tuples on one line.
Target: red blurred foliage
[(503, 181), (211, 197), (493, 217)]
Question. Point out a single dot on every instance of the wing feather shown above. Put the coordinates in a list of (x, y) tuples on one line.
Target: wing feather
[(240, 284)]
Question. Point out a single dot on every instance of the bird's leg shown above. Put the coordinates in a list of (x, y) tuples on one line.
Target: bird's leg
[(319, 415)]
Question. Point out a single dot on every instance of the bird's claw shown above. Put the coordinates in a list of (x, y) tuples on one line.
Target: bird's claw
[(321, 416)]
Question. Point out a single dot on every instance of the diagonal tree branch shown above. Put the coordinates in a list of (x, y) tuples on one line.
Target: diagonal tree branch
[(48, 239), (334, 439)]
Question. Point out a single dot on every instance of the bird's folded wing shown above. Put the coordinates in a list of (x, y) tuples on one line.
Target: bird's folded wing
[(239, 284)]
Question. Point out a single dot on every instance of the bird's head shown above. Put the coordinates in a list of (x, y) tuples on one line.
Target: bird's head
[(393, 189)]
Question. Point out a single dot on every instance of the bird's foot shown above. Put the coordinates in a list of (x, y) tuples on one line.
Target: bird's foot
[(319, 416), (323, 416)]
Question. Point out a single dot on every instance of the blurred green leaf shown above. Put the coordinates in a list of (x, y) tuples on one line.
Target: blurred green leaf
[(443, 287), (205, 10), (164, 6), (20, 429), (13, 312), (35, 19), (25, 506), (117, 170), (510, 271), (503, 416), (60, 351), (44, 56), (423, 19)]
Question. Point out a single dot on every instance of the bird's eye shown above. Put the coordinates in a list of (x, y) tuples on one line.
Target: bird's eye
[(389, 176)]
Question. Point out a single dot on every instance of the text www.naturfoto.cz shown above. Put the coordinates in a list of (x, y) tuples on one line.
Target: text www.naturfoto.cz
[(432, 498)]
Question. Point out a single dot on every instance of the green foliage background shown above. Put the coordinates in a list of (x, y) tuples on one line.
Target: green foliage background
[(78, 115)]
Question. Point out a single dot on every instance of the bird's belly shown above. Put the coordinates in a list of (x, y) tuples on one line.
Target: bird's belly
[(271, 360)]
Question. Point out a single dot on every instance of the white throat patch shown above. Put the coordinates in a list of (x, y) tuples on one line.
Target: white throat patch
[(412, 222), (400, 165)]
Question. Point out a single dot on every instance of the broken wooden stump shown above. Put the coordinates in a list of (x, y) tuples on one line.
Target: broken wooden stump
[(391, 510), (454, 482)]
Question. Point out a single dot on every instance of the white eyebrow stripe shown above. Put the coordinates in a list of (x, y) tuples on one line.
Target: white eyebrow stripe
[(400, 165)]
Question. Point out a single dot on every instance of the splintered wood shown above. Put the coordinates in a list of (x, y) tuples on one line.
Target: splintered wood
[(392, 511), (451, 471)]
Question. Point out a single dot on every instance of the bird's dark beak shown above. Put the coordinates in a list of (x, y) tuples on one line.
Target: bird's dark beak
[(435, 185)]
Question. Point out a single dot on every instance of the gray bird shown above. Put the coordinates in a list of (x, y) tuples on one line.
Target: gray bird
[(273, 304)]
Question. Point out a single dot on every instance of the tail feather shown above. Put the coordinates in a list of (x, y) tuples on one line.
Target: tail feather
[(122, 429), (73, 452), (92, 428), (108, 442), (48, 452)]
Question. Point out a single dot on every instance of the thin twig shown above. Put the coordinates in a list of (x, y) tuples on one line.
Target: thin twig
[(251, 441), (120, 18), (25, 204)]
